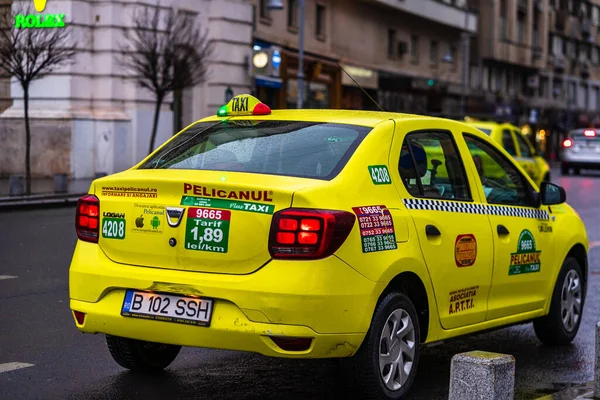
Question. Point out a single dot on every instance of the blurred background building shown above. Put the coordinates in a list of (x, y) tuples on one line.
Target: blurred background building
[(535, 63)]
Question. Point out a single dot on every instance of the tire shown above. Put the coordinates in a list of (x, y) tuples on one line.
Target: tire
[(576, 171), (141, 356), (364, 367), (564, 169), (568, 300)]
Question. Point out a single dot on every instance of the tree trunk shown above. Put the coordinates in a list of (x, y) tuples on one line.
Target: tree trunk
[(27, 140), (159, 100)]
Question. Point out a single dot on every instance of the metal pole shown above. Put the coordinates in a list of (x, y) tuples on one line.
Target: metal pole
[(465, 75), (301, 57)]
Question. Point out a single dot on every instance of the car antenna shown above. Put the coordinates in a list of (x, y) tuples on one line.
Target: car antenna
[(360, 87)]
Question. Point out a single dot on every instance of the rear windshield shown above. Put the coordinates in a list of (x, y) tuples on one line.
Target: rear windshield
[(484, 130), (580, 136), (290, 148)]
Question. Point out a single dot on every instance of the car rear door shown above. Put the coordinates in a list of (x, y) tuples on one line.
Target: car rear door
[(523, 234), (455, 238)]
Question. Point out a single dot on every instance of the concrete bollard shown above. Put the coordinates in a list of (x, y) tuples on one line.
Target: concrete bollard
[(61, 183), (16, 185), (480, 375), (597, 363)]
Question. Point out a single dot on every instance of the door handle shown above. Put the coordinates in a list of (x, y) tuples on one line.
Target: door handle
[(431, 230), (502, 230)]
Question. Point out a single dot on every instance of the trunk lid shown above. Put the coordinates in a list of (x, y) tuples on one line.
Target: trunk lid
[(203, 221)]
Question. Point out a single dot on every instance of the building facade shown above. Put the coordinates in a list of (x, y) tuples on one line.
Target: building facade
[(407, 56), (90, 118), (537, 62)]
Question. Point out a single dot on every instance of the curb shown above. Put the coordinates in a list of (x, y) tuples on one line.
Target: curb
[(7, 203), (579, 392)]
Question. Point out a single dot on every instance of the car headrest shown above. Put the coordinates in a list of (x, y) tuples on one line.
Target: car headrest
[(407, 170)]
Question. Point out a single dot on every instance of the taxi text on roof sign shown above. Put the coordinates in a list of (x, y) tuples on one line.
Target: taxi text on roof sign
[(39, 20), (244, 104)]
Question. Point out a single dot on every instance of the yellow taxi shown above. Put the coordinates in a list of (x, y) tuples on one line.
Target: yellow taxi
[(323, 234), (517, 145)]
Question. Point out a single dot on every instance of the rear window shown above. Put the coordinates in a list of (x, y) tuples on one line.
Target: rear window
[(579, 135), (485, 130), (289, 148)]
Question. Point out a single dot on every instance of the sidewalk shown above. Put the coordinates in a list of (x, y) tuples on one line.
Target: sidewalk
[(42, 193)]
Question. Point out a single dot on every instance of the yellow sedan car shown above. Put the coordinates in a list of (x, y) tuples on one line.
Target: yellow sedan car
[(517, 145), (323, 234)]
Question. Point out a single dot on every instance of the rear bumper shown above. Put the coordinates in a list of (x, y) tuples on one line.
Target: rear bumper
[(326, 300), (581, 164)]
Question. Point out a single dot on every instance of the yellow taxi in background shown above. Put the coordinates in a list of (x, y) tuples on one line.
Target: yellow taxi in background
[(323, 234), (517, 145)]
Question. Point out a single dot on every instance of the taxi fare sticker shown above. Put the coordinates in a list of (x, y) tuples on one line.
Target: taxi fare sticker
[(376, 228), (149, 218), (462, 299), (207, 230), (465, 250), (113, 225), (527, 258), (227, 204)]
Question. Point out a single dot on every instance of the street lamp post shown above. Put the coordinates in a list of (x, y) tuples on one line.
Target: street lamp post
[(277, 5), (465, 71)]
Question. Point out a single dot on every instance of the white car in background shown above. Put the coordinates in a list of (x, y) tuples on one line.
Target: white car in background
[(580, 150)]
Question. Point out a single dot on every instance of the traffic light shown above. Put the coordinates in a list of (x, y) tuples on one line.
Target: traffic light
[(430, 82)]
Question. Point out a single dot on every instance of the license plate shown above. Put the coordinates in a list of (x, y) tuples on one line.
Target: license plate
[(167, 307)]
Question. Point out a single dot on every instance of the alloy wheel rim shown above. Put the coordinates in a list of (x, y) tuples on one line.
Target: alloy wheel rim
[(397, 347), (570, 304)]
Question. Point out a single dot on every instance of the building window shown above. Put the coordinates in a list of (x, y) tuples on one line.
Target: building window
[(414, 49), (596, 98), (293, 14), (321, 21), (595, 56), (521, 28), (391, 43), (503, 28), (595, 16), (543, 88), (264, 11), (433, 52)]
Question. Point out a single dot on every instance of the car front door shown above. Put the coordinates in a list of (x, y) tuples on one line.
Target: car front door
[(455, 239), (525, 157), (523, 234)]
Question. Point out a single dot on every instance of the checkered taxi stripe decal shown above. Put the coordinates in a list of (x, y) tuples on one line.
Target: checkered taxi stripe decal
[(471, 208)]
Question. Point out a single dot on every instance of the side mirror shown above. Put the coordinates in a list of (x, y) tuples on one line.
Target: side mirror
[(552, 194)]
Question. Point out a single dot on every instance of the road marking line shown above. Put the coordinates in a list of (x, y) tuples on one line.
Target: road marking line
[(7, 277), (13, 366), (594, 244)]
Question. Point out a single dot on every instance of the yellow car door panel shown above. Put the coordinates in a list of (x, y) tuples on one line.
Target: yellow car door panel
[(523, 235), (455, 239)]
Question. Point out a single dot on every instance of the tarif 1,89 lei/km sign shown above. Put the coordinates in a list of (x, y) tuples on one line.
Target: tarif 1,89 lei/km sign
[(38, 21)]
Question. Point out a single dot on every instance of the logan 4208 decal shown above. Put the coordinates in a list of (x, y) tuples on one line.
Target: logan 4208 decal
[(113, 225), (207, 230), (376, 228), (527, 258)]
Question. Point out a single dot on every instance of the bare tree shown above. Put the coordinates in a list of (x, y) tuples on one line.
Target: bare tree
[(165, 54), (28, 55)]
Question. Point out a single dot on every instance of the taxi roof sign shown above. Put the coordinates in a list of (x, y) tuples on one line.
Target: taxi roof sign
[(244, 104)]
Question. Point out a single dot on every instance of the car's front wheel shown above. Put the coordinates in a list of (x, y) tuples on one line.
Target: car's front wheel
[(561, 324), (141, 356), (385, 365)]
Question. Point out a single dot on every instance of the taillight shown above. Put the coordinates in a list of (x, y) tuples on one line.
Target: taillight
[(308, 234), (87, 218), (567, 143), (589, 133)]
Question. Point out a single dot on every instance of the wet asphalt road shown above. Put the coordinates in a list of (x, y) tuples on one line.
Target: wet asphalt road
[(36, 328)]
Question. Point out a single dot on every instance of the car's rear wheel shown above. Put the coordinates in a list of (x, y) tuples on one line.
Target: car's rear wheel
[(561, 324), (385, 365), (564, 169), (141, 356)]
